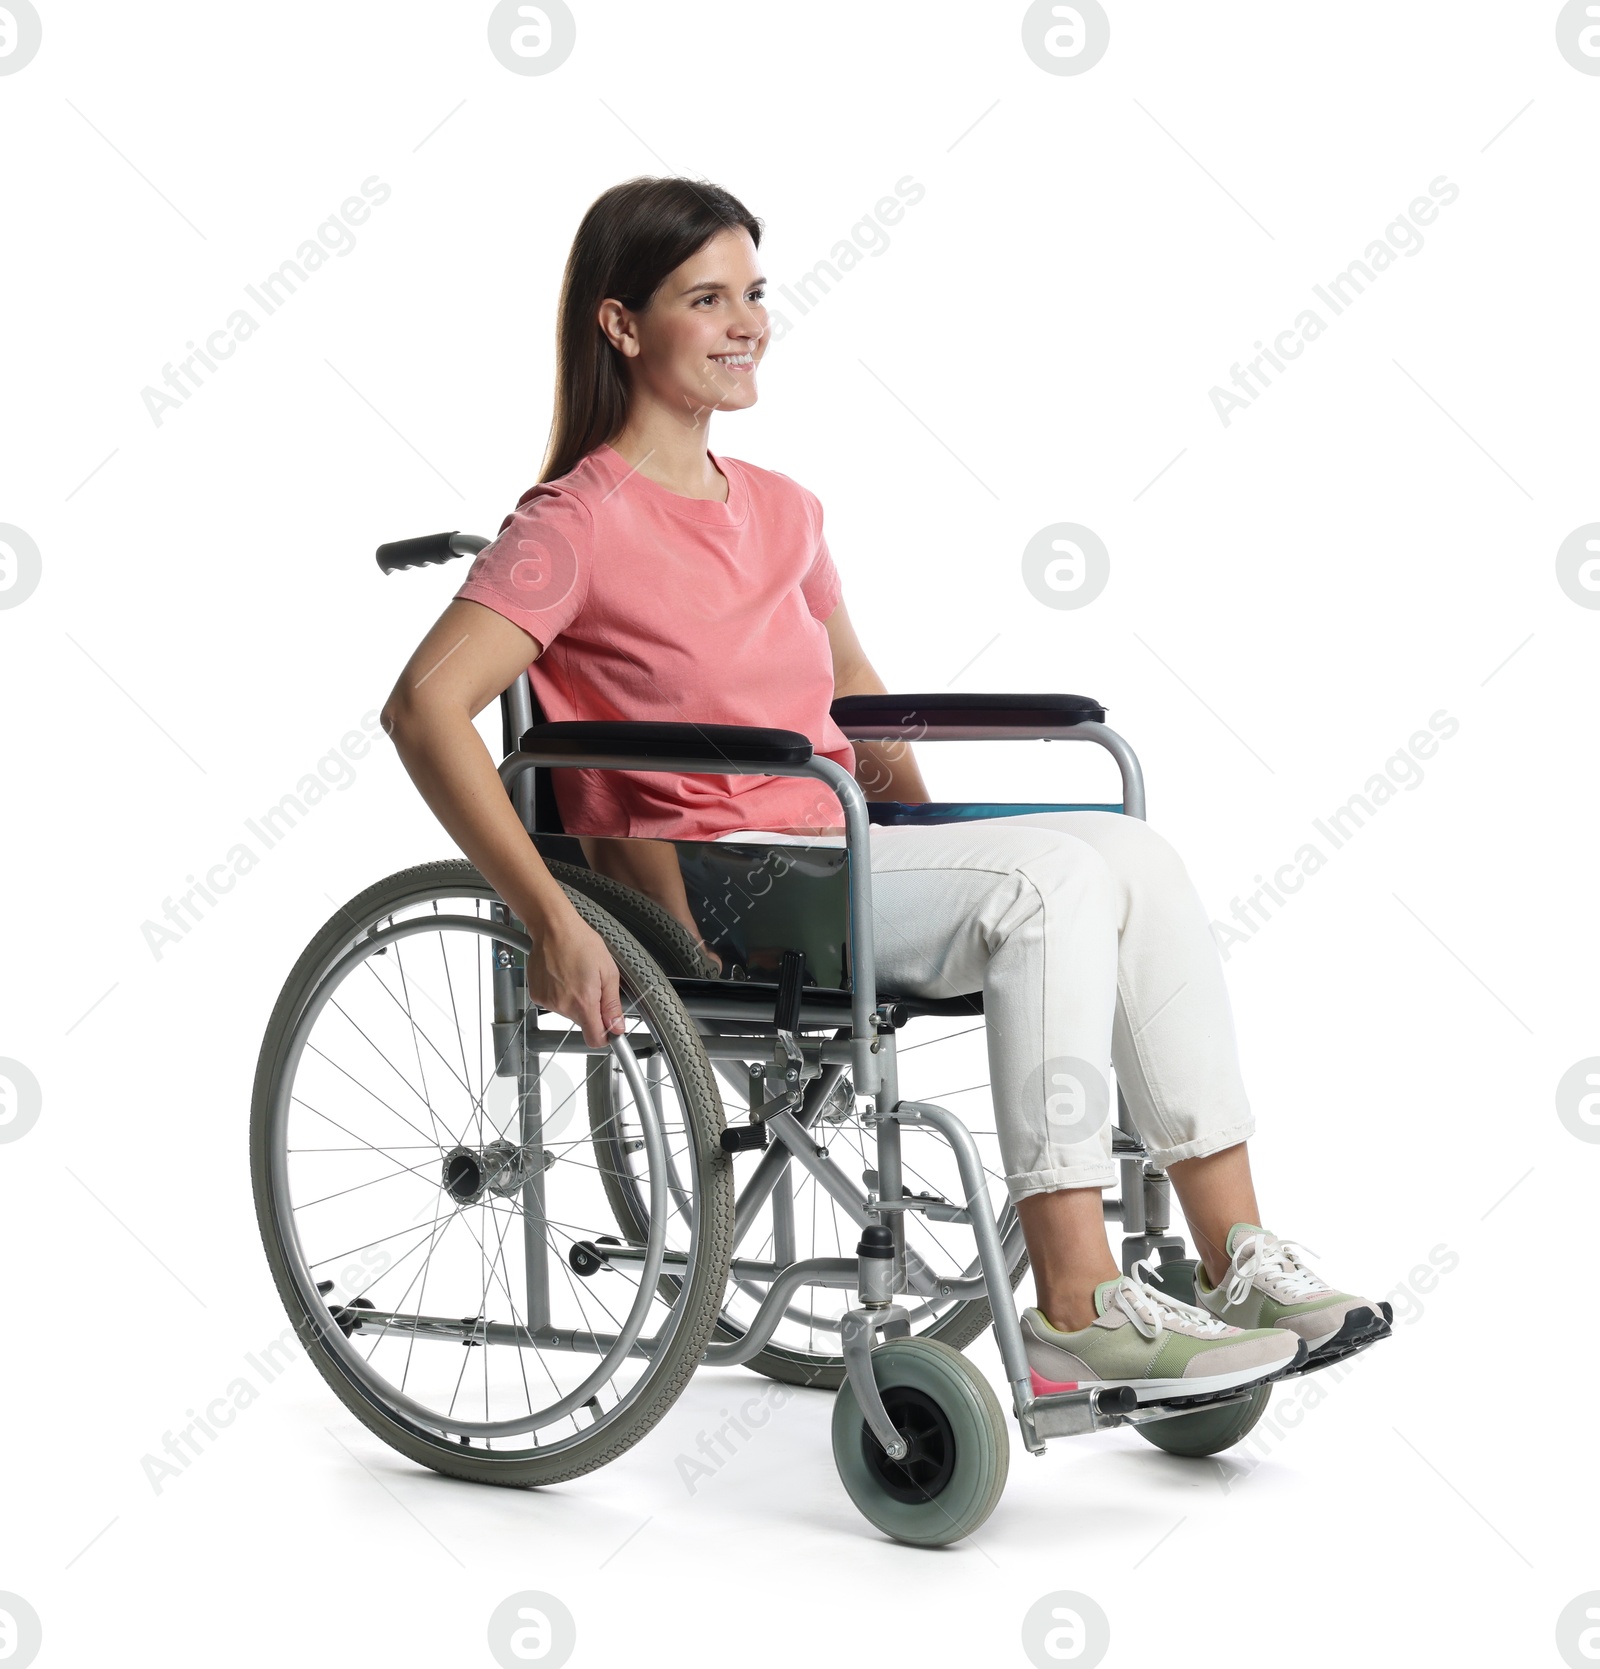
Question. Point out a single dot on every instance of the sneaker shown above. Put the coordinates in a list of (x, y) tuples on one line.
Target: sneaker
[(1163, 1348), (1269, 1284)]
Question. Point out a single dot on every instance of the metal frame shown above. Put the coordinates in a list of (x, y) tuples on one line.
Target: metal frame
[(1145, 1203)]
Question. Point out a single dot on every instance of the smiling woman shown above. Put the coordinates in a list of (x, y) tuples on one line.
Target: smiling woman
[(647, 578)]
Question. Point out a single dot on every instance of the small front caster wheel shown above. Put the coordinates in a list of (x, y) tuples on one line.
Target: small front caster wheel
[(951, 1478)]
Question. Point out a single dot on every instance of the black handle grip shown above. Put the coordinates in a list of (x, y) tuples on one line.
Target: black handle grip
[(431, 547)]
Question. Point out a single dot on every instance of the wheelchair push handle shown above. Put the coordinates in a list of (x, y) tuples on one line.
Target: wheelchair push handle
[(430, 548)]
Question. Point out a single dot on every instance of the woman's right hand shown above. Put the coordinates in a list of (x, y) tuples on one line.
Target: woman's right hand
[(573, 974)]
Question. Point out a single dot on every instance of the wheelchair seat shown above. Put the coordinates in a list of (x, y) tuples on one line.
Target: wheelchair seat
[(822, 1002)]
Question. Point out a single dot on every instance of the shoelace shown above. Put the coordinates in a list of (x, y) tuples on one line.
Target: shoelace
[(1146, 1307), (1279, 1261)]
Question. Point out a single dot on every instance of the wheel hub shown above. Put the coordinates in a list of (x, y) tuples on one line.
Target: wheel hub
[(468, 1173), (930, 1457)]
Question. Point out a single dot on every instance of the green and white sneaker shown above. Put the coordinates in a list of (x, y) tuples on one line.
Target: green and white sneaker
[(1269, 1284), (1161, 1347)]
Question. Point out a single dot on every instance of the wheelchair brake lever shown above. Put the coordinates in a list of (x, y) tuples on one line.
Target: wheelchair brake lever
[(786, 1012)]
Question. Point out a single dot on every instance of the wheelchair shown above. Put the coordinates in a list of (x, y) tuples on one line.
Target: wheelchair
[(507, 1252)]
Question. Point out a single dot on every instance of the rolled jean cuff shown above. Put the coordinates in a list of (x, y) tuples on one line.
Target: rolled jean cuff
[(1214, 1141), (1061, 1176)]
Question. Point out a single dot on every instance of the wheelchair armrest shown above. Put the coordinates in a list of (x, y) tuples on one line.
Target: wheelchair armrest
[(431, 547), (732, 744), (913, 715)]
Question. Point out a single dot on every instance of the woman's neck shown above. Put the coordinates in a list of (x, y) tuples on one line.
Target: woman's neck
[(672, 455)]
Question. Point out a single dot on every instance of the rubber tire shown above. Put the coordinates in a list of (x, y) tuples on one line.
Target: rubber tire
[(1207, 1432), (677, 1364), (982, 1444)]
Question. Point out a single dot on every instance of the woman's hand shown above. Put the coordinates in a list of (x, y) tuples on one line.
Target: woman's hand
[(706, 950), (573, 974)]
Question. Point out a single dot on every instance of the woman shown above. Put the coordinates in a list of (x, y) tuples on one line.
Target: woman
[(646, 577)]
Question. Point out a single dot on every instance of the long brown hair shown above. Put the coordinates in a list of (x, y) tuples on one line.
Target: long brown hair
[(630, 238)]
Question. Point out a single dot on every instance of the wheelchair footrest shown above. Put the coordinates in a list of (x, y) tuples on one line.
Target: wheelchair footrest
[(1171, 1406), (1075, 1413)]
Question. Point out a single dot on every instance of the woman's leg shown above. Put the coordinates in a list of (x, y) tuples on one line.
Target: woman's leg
[(1068, 1253), (1031, 917), (1026, 916), (1173, 1042), (1038, 912), (1101, 912), (1215, 1191)]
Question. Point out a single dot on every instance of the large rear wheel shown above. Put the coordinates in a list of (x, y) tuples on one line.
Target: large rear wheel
[(434, 1203)]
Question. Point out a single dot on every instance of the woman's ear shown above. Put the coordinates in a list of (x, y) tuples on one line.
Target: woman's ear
[(617, 323)]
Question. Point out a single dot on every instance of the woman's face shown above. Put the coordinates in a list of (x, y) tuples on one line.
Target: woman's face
[(697, 345)]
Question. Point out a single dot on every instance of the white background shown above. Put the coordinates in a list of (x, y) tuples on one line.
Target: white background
[(1290, 597)]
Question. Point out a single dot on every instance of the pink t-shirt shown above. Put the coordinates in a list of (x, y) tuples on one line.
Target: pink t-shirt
[(651, 605)]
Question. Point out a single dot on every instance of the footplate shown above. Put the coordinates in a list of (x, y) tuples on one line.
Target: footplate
[(1076, 1413)]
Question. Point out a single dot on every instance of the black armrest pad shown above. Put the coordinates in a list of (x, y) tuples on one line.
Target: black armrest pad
[(1025, 712), (734, 744)]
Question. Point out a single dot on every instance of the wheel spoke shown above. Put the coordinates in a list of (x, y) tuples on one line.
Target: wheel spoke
[(355, 1188)]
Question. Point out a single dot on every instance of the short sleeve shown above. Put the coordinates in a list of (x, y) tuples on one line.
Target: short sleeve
[(821, 585), (536, 572)]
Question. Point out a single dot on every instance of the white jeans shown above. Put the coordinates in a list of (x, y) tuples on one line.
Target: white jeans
[(1091, 947)]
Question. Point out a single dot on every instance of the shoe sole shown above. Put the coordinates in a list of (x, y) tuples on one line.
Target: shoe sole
[(1357, 1321), (1378, 1325), (1360, 1329), (1175, 1390)]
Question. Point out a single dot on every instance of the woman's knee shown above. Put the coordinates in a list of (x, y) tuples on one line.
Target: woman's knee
[(1139, 854), (1063, 884), (1059, 863)]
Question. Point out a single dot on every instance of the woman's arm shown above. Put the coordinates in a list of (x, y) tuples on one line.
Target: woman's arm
[(885, 770), (469, 657)]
